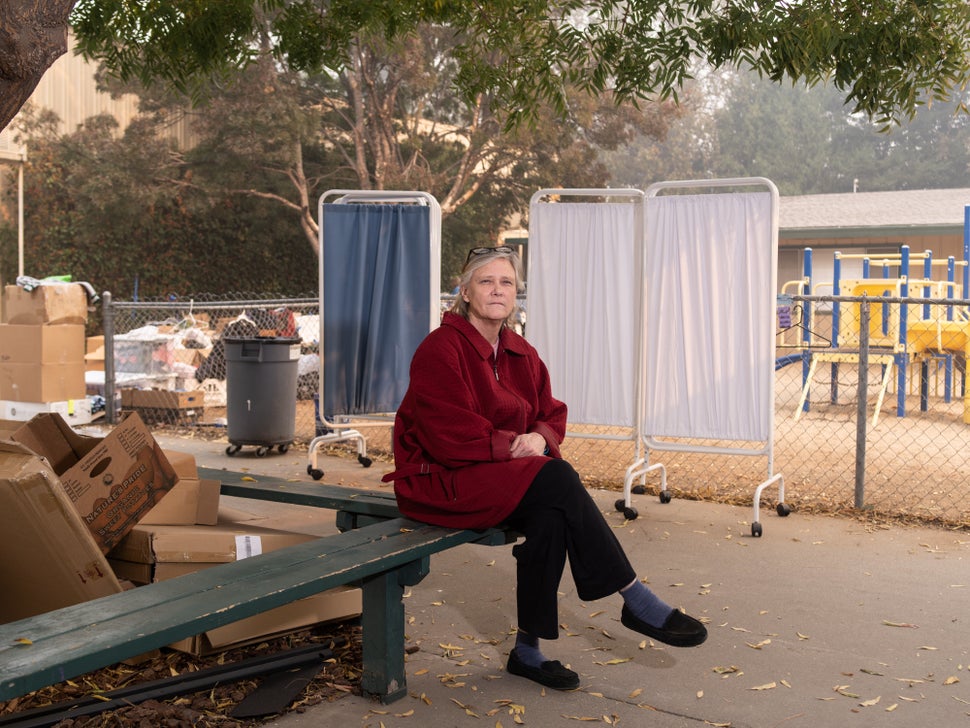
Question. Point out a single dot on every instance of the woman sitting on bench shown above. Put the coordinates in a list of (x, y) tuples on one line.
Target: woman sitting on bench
[(476, 445)]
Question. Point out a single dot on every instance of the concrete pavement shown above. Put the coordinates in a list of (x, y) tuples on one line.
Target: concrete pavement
[(821, 622)]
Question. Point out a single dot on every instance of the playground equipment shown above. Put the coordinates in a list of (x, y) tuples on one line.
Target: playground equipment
[(902, 334)]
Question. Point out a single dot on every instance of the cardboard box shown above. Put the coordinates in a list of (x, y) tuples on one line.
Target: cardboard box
[(20, 344), (48, 558), (42, 382), (112, 481), (191, 502), (162, 399), (55, 303), (156, 553)]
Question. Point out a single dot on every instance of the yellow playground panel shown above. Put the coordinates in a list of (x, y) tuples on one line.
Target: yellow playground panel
[(943, 336), (927, 332)]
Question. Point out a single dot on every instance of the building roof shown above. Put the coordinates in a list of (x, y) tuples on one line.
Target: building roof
[(868, 214)]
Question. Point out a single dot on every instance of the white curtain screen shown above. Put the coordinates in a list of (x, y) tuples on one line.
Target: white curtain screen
[(582, 305), (709, 361)]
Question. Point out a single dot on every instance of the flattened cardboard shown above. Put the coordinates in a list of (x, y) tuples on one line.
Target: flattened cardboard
[(157, 553), (56, 303), (23, 344), (112, 481), (49, 558), (342, 602), (223, 543)]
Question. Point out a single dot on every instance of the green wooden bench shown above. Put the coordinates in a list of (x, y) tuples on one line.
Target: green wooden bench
[(377, 550)]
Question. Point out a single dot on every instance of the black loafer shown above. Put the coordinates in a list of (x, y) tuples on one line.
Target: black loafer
[(679, 630), (552, 673)]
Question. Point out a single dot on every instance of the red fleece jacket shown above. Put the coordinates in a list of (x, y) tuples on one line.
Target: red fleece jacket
[(454, 429)]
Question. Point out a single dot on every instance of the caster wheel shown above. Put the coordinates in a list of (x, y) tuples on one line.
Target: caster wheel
[(261, 451), (620, 505), (365, 461), (783, 510), (314, 473), (630, 514), (283, 449), (639, 489), (233, 449), (756, 529), (665, 496)]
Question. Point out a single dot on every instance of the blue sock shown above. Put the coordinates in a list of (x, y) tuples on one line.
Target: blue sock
[(527, 649), (645, 604)]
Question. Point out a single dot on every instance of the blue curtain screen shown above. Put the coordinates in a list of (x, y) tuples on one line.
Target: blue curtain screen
[(376, 299)]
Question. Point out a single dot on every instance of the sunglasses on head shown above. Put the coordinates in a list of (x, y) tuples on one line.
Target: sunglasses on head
[(499, 250)]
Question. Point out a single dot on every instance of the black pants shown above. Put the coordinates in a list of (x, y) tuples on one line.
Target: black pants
[(558, 518)]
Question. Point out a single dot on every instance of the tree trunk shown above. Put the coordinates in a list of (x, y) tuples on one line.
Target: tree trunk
[(33, 34)]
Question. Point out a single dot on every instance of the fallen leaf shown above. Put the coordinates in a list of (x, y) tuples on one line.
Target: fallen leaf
[(23, 641), (405, 714), (248, 479), (870, 703), (900, 624), (616, 661), (951, 680), (766, 686), (596, 614), (785, 683), (891, 708), (801, 636), (700, 694), (926, 647), (725, 670), (422, 671), (635, 693), (759, 645)]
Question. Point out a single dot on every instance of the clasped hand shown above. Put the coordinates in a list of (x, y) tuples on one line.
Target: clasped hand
[(527, 445)]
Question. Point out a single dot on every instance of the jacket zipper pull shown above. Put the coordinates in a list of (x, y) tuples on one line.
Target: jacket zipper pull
[(495, 369)]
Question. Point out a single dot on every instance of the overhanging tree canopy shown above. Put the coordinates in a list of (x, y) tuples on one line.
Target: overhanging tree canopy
[(883, 54), (886, 56)]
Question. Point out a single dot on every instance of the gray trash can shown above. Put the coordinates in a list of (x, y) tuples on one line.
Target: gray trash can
[(261, 374)]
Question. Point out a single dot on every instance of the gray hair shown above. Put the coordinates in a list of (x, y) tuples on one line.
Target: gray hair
[(460, 305)]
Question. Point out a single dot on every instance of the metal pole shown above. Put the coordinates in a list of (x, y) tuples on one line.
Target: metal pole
[(862, 414), (20, 217), (109, 358)]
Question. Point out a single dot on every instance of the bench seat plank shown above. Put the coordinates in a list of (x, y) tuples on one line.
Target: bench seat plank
[(84, 637), (377, 503)]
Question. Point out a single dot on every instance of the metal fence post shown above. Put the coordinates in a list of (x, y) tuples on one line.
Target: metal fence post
[(862, 413), (109, 358)]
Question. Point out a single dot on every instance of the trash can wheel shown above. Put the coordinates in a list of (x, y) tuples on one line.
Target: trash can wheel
[(233, 449)]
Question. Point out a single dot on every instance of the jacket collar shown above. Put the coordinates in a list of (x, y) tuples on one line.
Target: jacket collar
[(508, 340)]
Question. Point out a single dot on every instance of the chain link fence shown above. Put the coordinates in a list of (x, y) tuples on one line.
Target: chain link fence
[(870, 409)]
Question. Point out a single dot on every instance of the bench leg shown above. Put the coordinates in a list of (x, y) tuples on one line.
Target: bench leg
[(382, 625)]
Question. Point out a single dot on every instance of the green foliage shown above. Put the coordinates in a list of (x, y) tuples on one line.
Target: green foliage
[(522, 55), (117, 212)]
